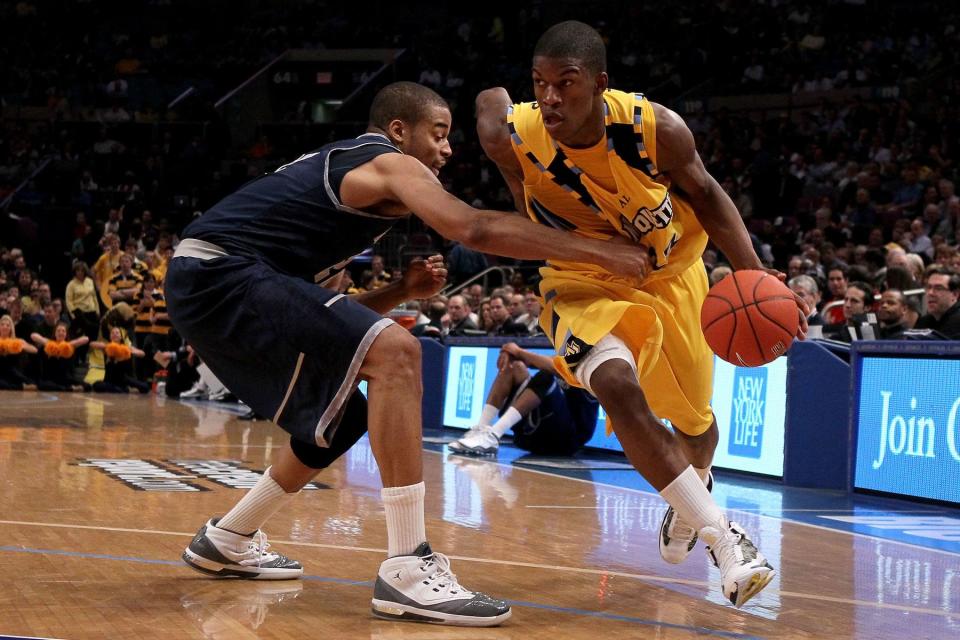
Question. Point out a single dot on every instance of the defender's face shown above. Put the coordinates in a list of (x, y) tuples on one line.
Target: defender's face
[(427, 140), (567, 94)]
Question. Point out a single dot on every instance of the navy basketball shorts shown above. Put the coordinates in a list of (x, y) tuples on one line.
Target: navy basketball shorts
[(289, 349)]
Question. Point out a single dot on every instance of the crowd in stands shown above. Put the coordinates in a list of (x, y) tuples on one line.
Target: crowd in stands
[(850, 193)]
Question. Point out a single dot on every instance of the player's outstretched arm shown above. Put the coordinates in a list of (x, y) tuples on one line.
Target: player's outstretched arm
[(405, 180)]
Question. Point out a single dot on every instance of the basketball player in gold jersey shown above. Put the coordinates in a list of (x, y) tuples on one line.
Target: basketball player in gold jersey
[(600, 162)]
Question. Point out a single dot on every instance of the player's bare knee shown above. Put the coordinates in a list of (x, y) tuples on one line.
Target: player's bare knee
[(614, 378), (395, 353), (519, 371)]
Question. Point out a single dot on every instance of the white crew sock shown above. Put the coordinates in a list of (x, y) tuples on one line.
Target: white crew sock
[(404, 510), (689, 498), (510, 417), (704, 474), (489, 414), (262, 501)]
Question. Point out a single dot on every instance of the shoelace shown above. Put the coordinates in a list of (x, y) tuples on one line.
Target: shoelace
[(727, 551), (483, 432), (442, 576), (259, 545), (679, 529)]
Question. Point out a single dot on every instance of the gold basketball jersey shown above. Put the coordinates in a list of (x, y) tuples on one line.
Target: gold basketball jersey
[(612, 188)]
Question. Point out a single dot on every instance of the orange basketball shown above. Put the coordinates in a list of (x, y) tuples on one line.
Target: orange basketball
[(749, 318)]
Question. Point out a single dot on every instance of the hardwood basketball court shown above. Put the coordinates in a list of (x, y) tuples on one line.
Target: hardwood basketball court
[(101, 494)]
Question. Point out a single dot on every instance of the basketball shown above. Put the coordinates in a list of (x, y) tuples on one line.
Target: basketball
[(749, 318)]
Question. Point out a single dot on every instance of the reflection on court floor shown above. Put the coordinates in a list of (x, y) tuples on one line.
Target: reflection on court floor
[(87, 553)]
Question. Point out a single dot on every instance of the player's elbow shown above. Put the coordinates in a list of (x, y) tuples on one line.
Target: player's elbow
[(475, 232), (492, 98)]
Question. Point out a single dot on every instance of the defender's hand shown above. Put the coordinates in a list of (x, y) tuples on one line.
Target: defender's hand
[(424, 278)]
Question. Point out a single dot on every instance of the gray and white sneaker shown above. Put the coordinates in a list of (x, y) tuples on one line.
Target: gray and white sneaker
[(199, 391), (677, 538), (744, 572), (479, 441), (421, 588), (218, 552)]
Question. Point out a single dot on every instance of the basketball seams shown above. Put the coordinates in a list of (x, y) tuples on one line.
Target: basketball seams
[(719, 317), (753, 330), (773, 320), (765, 326)]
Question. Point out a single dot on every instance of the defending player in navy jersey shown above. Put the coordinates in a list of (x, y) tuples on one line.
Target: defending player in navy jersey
[(253, 288)]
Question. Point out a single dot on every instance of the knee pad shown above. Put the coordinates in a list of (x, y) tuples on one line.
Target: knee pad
[(609, 347), (542, 384), (352, 426)]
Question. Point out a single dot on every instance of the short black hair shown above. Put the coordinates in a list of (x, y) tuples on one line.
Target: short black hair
[(953, 278), (573, 39), (406, 101), (865, 288)]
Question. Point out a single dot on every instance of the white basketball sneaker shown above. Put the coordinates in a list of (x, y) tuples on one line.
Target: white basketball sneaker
[(421, 588), (677, 538), (744, 572), (222, 553), (479, 441)]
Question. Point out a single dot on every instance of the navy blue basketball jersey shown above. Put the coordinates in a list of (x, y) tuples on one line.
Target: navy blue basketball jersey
[(293, 220)]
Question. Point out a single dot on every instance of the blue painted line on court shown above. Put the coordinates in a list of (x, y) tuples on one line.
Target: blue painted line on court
[(92, 556), (367, 583), (790, 504)]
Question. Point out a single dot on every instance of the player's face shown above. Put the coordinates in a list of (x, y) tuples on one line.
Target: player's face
[(427, 140), (569, 97)]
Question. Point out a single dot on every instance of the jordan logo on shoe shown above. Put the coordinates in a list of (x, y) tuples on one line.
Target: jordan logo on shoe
[(397, 576)]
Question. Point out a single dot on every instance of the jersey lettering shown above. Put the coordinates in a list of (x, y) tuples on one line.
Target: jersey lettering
[(645, 220)]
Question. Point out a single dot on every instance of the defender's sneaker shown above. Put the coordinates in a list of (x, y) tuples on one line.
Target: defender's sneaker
[(420, 587), (479, 441), (744, 571), (226, 554), (677, 538)]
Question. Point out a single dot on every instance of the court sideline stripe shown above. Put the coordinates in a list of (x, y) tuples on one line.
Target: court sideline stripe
[(727, 509), (598, 484), (512, 563), (368, 583)]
